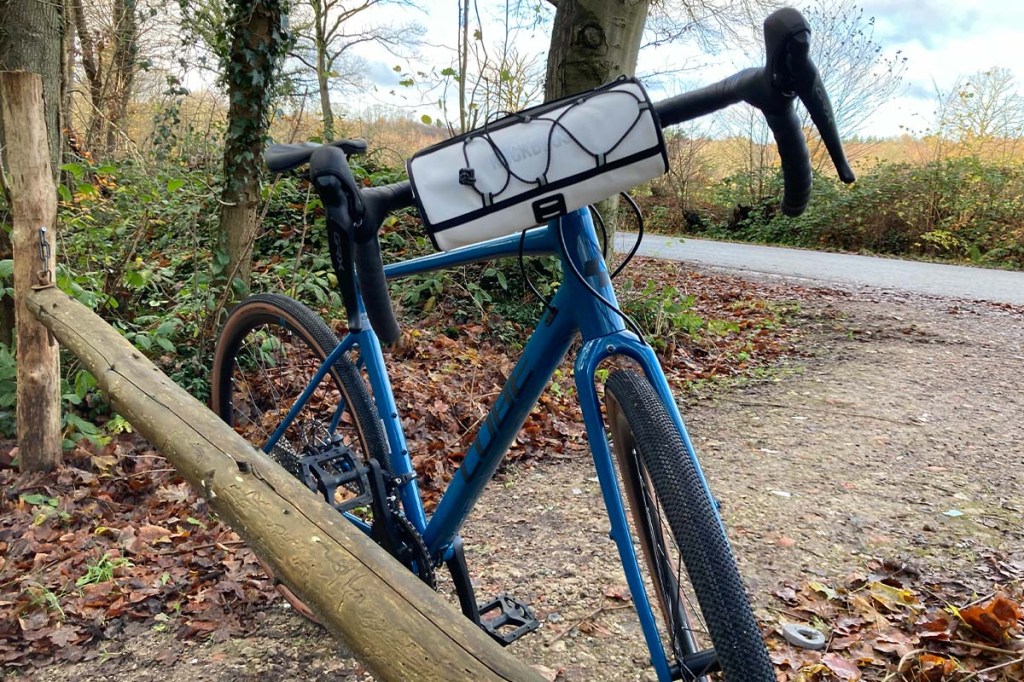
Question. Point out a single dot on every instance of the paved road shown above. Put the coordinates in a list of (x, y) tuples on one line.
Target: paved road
[(952, 281)]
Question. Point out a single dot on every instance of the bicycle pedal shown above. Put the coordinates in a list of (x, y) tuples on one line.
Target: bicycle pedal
[(506, 619)]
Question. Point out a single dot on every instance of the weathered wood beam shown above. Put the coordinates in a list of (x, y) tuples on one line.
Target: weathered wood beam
[(33, 199), (400, 628)]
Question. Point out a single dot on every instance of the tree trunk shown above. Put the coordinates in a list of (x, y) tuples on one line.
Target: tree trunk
[(325, 94), (592, 42), (30, 40), (94, 75), (33, 200), (122, 70), (256, 46)]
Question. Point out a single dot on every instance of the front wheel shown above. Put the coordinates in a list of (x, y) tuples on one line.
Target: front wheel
[(685, 550)]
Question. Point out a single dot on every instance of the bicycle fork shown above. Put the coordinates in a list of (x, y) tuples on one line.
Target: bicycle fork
[(589, 358)]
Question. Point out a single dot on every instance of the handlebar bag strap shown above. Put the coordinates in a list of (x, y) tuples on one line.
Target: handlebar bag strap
[(533, 166)]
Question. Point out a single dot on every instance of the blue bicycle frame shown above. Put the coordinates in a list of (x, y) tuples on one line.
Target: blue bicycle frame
[(573, 310)]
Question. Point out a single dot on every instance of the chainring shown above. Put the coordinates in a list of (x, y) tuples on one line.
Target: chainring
[(411, 551), (413, 554)]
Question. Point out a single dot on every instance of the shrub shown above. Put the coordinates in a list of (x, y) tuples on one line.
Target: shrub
[(958, 208)]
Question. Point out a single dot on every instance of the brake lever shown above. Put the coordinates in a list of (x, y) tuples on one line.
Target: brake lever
[(811, 91), (332, 179), (788, 42)]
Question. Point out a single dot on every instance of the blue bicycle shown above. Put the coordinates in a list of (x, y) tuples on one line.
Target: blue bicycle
[(323, 408)]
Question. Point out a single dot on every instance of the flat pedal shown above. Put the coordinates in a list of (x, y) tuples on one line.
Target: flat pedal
[(506, 619)]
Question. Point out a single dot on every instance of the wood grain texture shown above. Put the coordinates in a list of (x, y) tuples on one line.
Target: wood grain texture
[(400, 628), (33, 198)]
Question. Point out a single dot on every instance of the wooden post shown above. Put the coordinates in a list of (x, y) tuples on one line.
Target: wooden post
[(33, 199), (391, 620)]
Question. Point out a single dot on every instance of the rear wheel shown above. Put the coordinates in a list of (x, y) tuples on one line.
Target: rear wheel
[(268, 352), (689, 566)]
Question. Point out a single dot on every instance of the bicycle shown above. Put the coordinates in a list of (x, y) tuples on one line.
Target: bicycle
[(342, 436)]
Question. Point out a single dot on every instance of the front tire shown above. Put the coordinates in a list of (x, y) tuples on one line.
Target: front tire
[(677, 527)]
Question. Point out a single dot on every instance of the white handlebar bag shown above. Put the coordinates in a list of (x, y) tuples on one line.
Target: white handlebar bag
[(528, 168)]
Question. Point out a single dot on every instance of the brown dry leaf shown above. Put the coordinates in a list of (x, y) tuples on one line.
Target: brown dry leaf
[(64, 635), (937, 626), (619, 592), (993, 619), (932, 668), (153, 535), (814, 673), (892, 641), (864, 608), (841, 668), (787, 595)]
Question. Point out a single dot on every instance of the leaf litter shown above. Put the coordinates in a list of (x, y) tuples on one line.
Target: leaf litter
[(893, 624)]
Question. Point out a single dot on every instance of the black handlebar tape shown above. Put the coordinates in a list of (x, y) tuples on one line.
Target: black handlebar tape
[(691, 105), (755, 87), (796, 161), (376, 298), (787, 38), (378, 202), (284, 157)]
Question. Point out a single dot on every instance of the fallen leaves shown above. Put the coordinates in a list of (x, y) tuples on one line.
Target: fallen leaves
[(115, 535), (994, 619), (896, 626)]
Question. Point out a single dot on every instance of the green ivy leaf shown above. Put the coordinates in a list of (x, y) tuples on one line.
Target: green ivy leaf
[(39, 500), (76, 170)]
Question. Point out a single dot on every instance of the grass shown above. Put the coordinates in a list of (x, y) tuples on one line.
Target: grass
[(102, 570)]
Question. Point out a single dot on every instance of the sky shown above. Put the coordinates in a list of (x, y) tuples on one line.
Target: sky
[(941, 39)]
